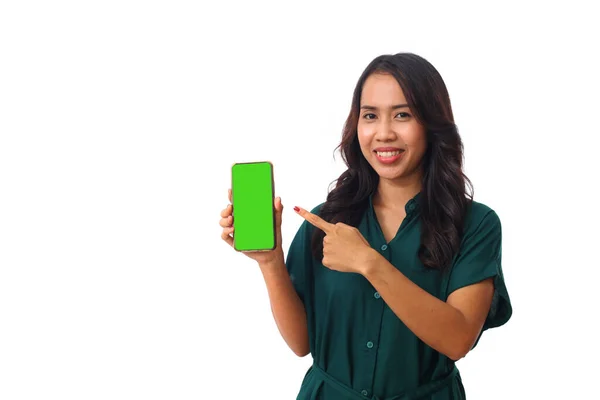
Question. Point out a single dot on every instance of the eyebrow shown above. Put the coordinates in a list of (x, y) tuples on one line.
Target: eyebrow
[(367, 107)]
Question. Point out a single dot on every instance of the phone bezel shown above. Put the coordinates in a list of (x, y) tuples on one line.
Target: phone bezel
[(272, 206)]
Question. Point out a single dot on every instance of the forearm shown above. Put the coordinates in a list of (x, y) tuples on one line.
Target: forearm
[(436, 323), (288, 310)]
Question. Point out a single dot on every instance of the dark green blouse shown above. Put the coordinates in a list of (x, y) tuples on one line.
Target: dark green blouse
[(360, 348)]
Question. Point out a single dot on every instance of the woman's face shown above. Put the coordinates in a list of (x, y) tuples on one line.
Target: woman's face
[(391, 139)]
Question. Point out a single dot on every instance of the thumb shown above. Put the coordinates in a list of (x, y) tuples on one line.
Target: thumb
[(278, 210)]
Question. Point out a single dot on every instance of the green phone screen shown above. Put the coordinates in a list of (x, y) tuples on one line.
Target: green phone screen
[(253, 208)]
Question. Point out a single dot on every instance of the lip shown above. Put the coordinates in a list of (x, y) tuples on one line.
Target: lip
[(388, 160), (388, 149)]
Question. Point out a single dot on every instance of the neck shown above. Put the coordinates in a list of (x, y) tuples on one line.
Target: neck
[(396, 193)]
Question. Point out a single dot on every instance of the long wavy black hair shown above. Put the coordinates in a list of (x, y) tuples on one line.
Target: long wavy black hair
[(444, 199)]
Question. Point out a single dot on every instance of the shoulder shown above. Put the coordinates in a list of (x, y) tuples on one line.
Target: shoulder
[(480, 217), (317, 209)]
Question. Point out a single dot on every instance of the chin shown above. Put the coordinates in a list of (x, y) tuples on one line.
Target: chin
[(390, 173), (391, 177)]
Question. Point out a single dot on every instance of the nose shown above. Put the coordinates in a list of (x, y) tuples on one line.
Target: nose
[(385, 131)]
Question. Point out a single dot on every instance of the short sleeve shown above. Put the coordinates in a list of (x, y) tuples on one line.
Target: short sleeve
[(299, 260), (480, 257)]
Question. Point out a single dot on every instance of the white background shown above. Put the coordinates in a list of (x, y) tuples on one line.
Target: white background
[(119, 121)]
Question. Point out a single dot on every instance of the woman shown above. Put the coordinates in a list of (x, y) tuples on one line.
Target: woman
[(397, 274)]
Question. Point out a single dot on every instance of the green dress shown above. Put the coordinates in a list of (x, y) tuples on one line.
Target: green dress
[(360, 348)]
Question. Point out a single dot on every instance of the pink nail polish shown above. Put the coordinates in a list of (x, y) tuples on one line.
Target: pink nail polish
[(296, 209)]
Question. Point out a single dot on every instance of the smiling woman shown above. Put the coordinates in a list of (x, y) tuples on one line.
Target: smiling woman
[(397, 274)]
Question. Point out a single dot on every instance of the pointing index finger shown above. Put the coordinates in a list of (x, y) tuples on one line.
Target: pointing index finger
[(315, 220)]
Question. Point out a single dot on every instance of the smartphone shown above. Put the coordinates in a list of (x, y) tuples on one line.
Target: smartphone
[(252, 195)]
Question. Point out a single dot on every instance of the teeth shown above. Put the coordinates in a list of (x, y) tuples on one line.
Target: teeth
[(388, 153)]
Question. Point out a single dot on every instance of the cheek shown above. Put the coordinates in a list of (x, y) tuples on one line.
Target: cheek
[(366, 130), (364, 137), (420, 146), (416, 139)]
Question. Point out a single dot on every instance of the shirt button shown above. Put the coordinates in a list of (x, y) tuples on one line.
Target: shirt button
[(377, 295), (364, 393), (384, 247), (370, 345)]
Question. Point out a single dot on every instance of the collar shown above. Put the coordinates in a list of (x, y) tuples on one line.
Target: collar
[(410, 207)]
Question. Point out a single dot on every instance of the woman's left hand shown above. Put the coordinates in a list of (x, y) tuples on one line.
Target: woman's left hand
[(344, 248)]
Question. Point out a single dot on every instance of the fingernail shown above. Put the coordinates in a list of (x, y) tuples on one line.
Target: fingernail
[(296, 209)]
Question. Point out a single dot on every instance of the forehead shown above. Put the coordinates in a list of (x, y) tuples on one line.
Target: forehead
[(381, 89)]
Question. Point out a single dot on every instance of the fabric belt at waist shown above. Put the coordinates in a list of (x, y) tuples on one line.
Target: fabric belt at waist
[(421, 391)]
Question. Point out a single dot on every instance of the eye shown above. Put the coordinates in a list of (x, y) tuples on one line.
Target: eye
[(369, 116), (403, 115)]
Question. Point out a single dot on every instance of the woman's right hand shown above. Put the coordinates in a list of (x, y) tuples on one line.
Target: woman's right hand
[(262, 257)]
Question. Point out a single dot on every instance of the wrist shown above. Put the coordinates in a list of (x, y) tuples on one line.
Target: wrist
[(272, 262), (369, 261)]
